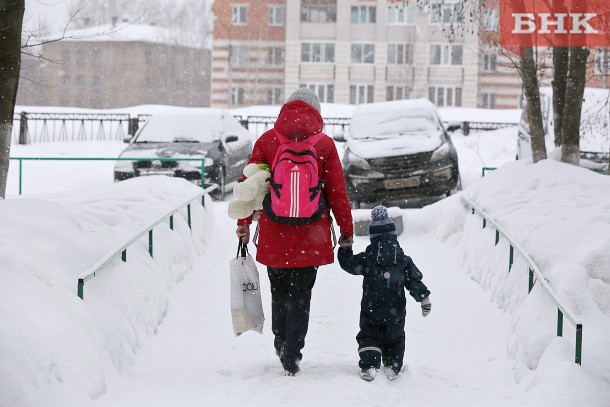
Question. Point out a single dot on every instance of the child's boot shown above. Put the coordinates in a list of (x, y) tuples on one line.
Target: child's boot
[(368, 374), (391, 372)]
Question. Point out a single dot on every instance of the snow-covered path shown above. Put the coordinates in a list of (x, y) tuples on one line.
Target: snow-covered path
[(456, 356)]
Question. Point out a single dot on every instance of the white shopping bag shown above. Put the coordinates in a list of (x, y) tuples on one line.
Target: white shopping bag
[(246, 303)]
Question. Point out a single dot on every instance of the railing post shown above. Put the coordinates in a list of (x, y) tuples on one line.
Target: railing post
[(188, 211), (171, 222), (578, 358), (81, 288), (497, 237), (466, 128), (23, 128), (150, 242), (510, 257), (559, 322), (20, 175), (484, 223), (124, 255), (132, 126), (531, 280)]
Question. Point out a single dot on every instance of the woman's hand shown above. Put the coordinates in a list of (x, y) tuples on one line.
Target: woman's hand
[(243, 232)]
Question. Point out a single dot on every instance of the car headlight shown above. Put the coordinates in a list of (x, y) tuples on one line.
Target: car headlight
[(123, 166), (441, 152), (356, 161), (207, 162)]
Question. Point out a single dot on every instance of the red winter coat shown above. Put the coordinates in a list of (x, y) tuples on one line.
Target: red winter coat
[(288, 246)]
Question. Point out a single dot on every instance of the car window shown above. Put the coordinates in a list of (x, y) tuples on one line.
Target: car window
[(186, 128), (394, 124)]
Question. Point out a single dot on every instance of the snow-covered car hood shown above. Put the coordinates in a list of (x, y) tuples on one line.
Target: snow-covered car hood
[(394, 146), (166, 150)]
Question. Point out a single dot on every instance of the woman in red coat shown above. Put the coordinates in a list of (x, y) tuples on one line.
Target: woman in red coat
[(293, 253)]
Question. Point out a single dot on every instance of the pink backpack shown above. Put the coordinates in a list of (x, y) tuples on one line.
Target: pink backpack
[(295, 195)]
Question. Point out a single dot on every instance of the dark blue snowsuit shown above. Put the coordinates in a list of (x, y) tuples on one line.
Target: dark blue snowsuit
[(387, 272)]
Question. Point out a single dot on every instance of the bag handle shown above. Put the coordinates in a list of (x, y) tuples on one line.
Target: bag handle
[(242, 249)]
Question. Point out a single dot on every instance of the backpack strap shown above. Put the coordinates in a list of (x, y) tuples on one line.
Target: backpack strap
[(311, 140)]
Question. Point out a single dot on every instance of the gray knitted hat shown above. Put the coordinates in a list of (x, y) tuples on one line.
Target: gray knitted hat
[(380, 222), (308, 96)]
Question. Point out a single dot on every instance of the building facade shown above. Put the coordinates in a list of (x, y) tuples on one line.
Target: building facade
[(143, 67)]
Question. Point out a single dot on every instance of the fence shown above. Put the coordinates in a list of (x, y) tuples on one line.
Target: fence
[(29, 128), (98, 267), (22, 159), (534, 272)]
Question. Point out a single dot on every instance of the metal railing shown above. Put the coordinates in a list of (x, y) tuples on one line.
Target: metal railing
[(98, 267), (31, 128), (487, 169), (21, 159), (534, 275)]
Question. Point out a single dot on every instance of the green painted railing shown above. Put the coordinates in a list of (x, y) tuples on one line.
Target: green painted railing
[(486, 169), (534, 275), (22, 159), (98, 267)]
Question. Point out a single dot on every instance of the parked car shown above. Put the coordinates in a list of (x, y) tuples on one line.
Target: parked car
[(213, 135), (594, 129), (398, 151)]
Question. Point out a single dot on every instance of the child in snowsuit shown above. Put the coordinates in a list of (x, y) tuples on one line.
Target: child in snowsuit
[(387, 272)]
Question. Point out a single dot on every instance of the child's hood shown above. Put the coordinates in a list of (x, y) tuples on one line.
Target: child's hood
[(385, 250)]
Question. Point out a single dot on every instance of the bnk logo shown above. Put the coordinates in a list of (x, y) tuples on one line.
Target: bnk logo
[(555, 23)]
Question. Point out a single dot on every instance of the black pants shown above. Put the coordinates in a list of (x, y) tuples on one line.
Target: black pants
[(381, 338), (290, 300)]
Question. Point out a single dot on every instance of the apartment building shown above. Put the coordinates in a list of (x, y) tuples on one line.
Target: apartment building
[(362, 51), (135, 65)]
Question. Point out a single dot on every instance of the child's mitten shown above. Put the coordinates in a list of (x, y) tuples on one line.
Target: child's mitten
[(426, 306)]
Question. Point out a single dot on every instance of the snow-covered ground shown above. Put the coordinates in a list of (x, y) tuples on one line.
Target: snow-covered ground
[(158, 332)]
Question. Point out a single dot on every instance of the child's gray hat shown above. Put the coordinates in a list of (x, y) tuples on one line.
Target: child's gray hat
[(308, 96), (380, 222)]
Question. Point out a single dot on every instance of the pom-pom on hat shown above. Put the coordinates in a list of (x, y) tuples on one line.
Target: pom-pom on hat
[(381, 223), (306, 95)]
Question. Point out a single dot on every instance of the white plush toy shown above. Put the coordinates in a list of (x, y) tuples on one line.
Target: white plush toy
[(250, 193)]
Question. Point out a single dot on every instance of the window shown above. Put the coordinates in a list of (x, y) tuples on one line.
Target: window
[(397, 92), (80, 80), (325, 92), (489, 100), (96, 80), (64, 80), (275, 15), (489, 63), (363, 53), (80, 57), (317, 52), (443, 12), (239, 14), (400, 53), (65, 55), (148, 56), (401, 14), (237, 96), (275, 56), (445, 96), (360, 94), (363, 14), (162, 59), (318, 11), (491, 20), (238, 55), (445, 54), (97, 56), (602, 63), (274, 96)]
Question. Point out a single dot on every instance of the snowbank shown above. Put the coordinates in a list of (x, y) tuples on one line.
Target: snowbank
[(56, 347), (560, 215)]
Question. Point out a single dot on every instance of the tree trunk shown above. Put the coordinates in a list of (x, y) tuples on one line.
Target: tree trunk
[(560, 77), (11, 21), (575, 89), (534, 110)]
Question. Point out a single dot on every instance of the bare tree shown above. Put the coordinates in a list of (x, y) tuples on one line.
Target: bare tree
[(11, 21)]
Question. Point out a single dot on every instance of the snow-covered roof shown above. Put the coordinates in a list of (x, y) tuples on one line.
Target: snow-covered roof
[(130, 32)]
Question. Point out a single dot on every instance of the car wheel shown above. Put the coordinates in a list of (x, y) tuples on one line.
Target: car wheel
[(219, 193)]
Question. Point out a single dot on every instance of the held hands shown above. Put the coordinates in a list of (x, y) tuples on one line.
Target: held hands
[(426, 306), (346, 242), (243, 232)]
